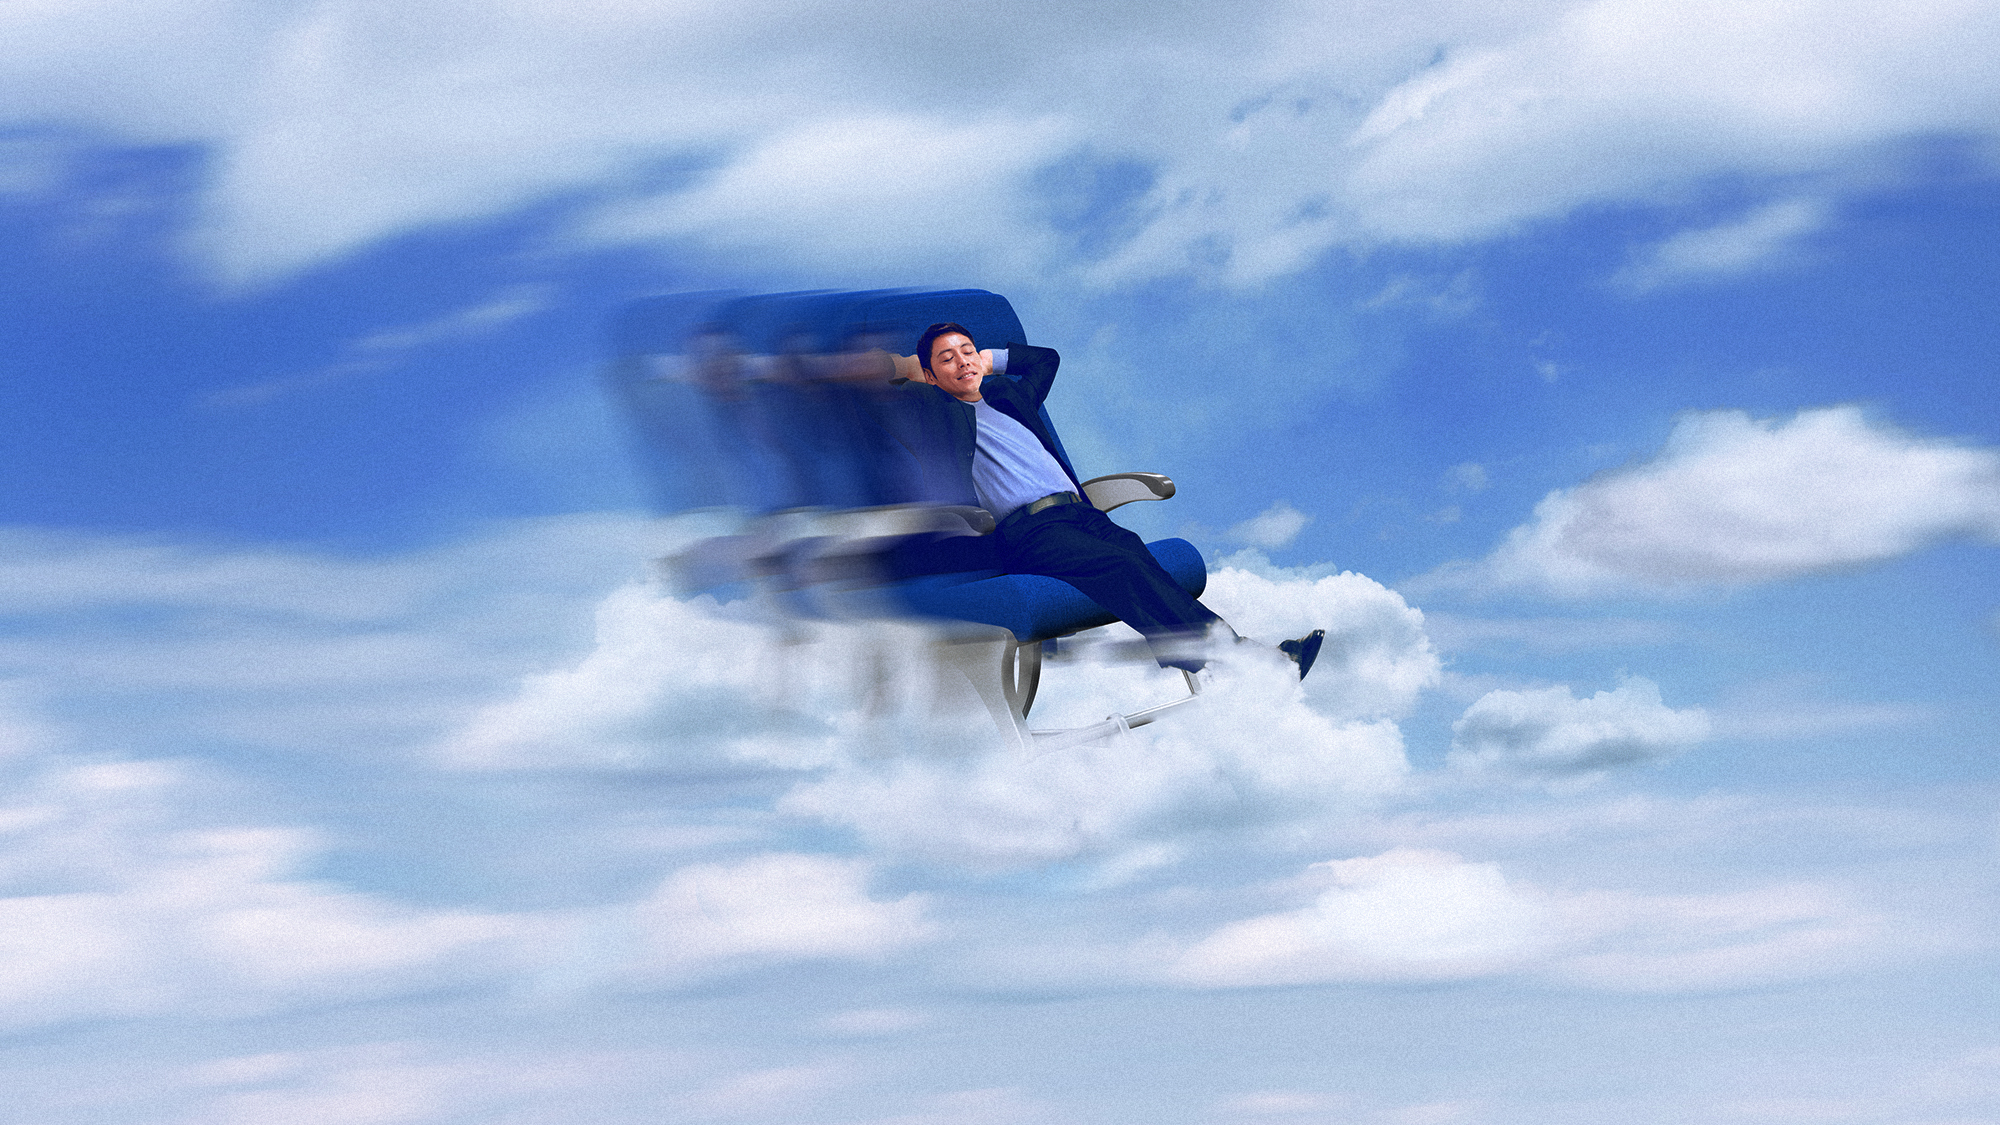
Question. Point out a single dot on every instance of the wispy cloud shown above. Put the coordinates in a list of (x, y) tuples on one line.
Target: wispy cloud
[(1470, 476), (1274, 527), (1762, 240), (380, 351), (1458, 633)]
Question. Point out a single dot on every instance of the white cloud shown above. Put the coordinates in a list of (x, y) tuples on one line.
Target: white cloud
[(1733, 501), (704, 951), (1674, 943), (296, 648), (377, 351), (1377, 658), (1549, 732), (396, 1082), (837, 134), (505, 307), (1402, 915), (773, 907), (853, 198), (48, 570), (1626, 100), (668, 684), (1274, 527), (1760, 240), (1412, 914), (115, 900), (1250, 751), (1789, 719), (129, 910), (1453, 297), (1453, 633), (378, 1086), (778, 1090), (134, 885), (999, 1105), (888, 746)]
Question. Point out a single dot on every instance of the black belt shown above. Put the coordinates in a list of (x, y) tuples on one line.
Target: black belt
[(1052, 500)]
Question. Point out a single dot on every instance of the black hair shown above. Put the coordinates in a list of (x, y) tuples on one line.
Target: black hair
[(930, 336)]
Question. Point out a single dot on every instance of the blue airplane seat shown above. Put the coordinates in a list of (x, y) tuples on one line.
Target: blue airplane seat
[(734, 438), (1031, 606)]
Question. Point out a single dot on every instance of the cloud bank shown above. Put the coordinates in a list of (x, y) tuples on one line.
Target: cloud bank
[(122, 899), (877, 743), (331, 126), (484, 829)]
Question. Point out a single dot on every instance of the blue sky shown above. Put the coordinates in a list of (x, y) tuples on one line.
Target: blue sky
[(1611, 379)]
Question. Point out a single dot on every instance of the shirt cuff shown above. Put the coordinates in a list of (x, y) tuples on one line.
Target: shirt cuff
[(999, 361)]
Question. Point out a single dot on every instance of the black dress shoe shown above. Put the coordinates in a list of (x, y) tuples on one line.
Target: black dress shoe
[(1304, 651)]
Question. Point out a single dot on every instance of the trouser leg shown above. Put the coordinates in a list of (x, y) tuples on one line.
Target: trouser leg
[(1111, 566)]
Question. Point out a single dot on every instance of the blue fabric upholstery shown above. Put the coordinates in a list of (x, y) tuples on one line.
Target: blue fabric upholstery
[(1030, 606)]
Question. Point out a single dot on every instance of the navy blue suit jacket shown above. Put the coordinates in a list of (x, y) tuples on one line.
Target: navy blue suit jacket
[(942, 432)]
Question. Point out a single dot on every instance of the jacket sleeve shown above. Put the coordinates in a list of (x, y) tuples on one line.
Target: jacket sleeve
[(1033, 368)]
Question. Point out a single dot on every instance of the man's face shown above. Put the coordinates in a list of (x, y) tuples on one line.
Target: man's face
[(956, 366)]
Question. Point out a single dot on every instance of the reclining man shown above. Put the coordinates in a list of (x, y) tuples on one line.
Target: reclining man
[(987, 439)]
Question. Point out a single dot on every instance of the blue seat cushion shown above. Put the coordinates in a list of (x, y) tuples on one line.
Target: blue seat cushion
[(1031, 606)]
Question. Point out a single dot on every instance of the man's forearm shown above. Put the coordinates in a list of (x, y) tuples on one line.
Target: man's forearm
[(1033, 368)]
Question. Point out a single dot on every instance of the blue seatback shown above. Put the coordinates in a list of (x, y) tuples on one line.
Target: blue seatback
[(903, 315)]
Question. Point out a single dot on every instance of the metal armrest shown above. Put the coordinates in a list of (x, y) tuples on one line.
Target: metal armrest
[(978, 520), (1108, 492)]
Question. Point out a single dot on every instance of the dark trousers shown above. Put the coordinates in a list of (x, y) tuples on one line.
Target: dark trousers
[(1080, 545)]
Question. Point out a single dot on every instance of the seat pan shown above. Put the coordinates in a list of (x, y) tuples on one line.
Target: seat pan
[(1032, 606)]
